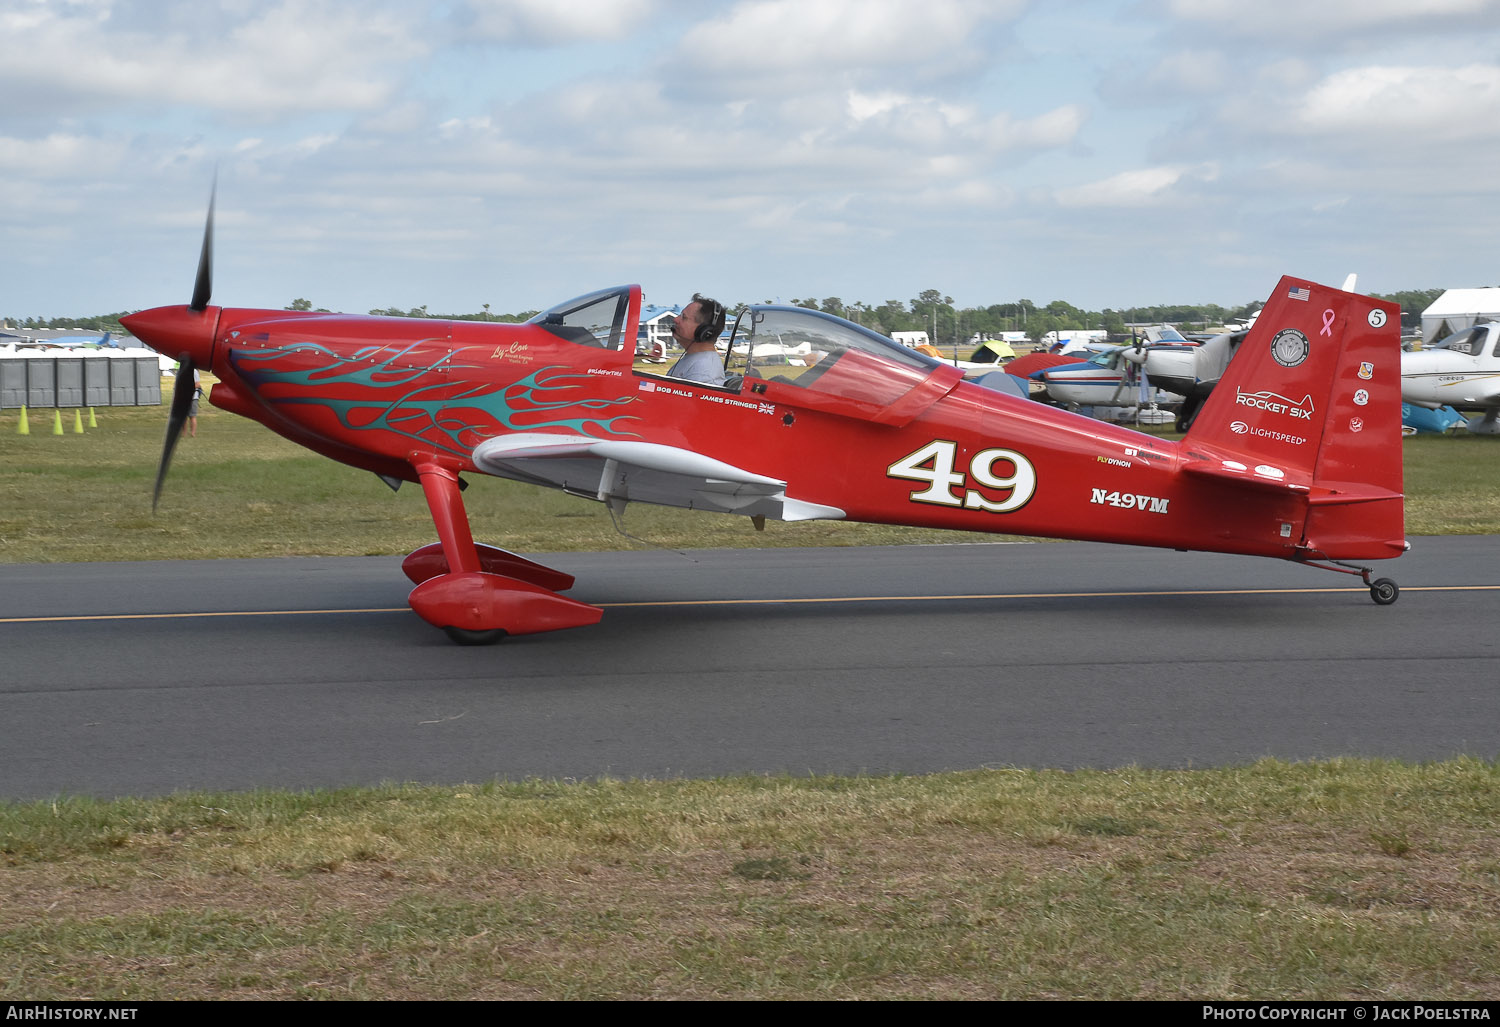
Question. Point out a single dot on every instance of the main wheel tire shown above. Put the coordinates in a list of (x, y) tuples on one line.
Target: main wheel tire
[(1384, 591), (463, 636)]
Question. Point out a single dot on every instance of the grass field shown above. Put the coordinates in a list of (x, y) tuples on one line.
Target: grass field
[(239, 490), (1348, 879), (1343, 879)]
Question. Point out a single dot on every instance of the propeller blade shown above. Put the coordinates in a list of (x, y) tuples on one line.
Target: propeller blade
[(182, 401), (203, 287)]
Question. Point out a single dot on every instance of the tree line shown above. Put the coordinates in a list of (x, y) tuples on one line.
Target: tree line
[(930, 311)]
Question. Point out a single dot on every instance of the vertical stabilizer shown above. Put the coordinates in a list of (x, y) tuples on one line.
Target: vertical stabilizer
[(1312, 402)]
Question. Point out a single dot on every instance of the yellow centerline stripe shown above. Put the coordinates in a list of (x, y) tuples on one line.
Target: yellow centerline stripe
[(768, 602), (179, 616), (1048, 595)]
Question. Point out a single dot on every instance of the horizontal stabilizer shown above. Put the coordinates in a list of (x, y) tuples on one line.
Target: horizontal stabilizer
[(1206, 461)]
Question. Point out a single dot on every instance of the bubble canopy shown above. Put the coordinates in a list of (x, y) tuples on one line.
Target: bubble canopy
[(788, 338)]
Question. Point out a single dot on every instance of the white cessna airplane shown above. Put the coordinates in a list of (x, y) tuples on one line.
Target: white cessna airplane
[(1462, 371)]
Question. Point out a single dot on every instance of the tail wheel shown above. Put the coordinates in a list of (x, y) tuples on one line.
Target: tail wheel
[(1384, 591)]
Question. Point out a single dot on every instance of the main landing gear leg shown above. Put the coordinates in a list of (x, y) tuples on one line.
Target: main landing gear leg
[(1384, 591), (480, 594)]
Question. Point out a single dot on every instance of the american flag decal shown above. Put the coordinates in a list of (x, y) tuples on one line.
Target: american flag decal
[(1300, 294)]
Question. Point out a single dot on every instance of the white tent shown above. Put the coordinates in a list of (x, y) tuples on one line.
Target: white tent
[(1458, 309)]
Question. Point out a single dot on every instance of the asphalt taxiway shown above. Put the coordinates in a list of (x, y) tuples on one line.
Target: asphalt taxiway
[(148, 678)]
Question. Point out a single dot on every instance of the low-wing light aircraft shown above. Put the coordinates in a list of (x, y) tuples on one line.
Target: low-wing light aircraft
[(1107, 379), (868, 431), (1462, 371)]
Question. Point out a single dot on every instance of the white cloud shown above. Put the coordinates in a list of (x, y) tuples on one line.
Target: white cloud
[(1139, 188), (61, 155), (782, 34), (776, 47), (1053, 129), (1427, 104), (452, 152), (969, 196), (551, 22), (312, 144), (919, 121), (296, 55), (864, 105), (1291, 19)]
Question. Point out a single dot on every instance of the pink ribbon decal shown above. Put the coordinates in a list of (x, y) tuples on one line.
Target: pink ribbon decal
[(1327, 322)]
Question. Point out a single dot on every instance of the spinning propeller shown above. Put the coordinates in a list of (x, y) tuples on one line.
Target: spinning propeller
[(184, 386)]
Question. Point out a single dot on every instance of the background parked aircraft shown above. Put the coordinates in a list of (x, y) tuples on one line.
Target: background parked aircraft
[(1462, 371)]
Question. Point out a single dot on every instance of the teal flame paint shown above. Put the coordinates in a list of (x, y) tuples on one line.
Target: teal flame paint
[(533, 403)]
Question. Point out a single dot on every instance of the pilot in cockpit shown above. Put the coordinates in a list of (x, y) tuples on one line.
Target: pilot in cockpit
[(697, 329)]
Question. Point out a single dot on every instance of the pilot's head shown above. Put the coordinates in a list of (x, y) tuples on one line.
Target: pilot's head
[(702, 320)]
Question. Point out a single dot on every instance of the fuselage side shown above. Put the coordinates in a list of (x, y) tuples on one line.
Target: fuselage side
[(878, 435), (374, 391)]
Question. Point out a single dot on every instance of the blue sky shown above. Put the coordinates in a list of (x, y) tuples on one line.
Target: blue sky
[(518, 152)]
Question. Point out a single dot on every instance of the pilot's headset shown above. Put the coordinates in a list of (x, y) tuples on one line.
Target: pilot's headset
[(711, 315)]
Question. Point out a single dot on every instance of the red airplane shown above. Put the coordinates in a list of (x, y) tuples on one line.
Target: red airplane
[(1295, 455)]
